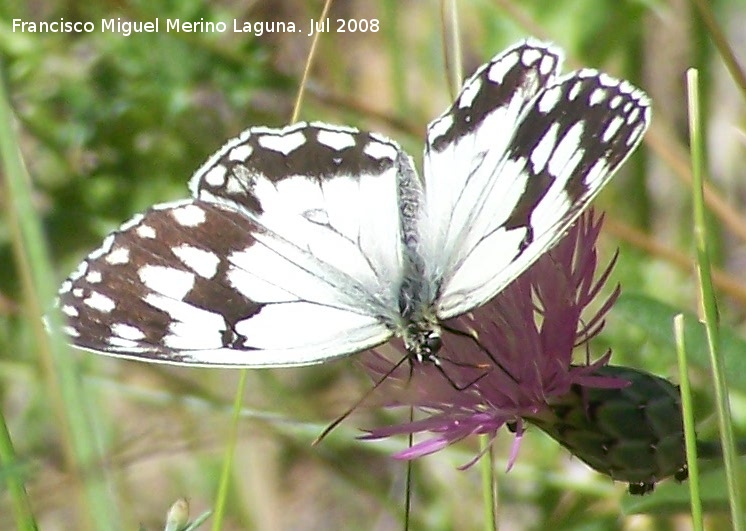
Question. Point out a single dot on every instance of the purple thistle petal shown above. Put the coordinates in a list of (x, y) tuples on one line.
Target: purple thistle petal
[(516, 446), (477, 457)]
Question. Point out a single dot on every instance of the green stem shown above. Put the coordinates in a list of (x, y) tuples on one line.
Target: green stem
[(709, 305), (489, 485), (13, 478), (690, 437), (230, 451)]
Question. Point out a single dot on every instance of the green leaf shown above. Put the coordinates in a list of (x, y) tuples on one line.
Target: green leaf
[(656, 319)]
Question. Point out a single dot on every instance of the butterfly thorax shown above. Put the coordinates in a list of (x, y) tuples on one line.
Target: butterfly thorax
[(417, 323)]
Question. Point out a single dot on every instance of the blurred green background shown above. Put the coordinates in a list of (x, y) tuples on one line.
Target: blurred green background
[(111, 124)]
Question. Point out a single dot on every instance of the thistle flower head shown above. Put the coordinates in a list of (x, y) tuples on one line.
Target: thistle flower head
[(509, 358)]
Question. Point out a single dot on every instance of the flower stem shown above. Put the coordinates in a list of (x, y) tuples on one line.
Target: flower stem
[(230, 451), (690, 437), (709, 305), (489, 485)]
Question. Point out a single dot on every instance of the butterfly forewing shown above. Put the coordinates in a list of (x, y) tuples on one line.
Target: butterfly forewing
[(566, 144), (332, 192)]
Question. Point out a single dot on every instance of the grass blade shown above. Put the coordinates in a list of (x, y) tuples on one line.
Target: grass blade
[(690, 437), (78, 437), (709, 305)]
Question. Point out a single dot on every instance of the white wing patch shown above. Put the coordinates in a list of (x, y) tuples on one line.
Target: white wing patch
[(204, 263)]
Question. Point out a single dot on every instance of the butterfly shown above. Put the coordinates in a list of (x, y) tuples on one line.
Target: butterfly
[(314, 241)]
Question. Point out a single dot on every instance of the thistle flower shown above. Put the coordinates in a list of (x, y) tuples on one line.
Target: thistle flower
[(512, 359), (510, 362)]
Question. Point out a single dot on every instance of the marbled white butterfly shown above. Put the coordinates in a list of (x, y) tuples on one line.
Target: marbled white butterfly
[(314, 241)]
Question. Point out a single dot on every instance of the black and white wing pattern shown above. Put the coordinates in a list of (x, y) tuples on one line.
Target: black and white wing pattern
[(289, 255), (314, 241), (515, 160)]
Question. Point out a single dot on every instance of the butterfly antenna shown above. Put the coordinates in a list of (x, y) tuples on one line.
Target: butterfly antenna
[(410, 471), (358, 402)]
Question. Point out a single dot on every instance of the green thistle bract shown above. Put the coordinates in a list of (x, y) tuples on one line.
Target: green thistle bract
[(633, 434)]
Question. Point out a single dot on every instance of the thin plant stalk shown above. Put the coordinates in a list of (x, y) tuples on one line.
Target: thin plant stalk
[(690, 437), (230, 452), (391, 11), (307, 69), (220, 502), (722, 45), (19, 501), (709, 304), (452, 61), (409, 482), (489, 485)]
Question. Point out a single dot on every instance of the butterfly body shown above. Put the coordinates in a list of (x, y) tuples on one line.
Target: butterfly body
[(313, 241)]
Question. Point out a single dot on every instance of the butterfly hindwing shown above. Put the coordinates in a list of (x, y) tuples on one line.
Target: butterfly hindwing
[(191, 283), (328, 190)]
